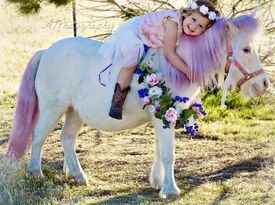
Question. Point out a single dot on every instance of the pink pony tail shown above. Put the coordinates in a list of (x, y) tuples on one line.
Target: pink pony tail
[(26, 113)]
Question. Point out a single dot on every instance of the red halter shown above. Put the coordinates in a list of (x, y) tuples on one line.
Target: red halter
[(247, 76)]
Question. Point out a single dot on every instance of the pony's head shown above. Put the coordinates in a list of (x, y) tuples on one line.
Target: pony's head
[(248, 74)]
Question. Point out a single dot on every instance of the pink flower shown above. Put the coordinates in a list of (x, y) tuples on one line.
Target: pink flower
[(152, 79), (147, 100), (171, 115)]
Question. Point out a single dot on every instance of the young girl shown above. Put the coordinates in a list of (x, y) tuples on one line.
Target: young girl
[(156, 29)]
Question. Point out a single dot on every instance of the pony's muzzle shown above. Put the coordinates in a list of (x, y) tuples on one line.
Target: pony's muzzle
[(266, 84), (261, 88)]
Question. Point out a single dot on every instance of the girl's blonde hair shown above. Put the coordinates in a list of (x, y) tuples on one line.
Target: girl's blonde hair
[(187, 12)]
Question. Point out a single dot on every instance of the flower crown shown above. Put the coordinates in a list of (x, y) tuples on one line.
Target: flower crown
[(203, 9)]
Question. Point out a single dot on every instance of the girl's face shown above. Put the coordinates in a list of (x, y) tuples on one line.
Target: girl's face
[(195, 24)]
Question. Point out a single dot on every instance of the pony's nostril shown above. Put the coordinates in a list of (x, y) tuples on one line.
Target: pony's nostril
[(266, 83)]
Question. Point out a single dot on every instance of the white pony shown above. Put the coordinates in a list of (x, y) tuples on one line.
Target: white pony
[(64, 80)]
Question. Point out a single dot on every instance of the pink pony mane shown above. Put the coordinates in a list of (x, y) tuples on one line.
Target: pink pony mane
[(203, 54)]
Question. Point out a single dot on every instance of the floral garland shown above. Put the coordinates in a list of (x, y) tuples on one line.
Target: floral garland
[(161, 102)]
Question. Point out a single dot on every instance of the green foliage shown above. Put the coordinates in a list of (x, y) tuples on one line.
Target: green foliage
[(33, 6), (128, 13), (215, 2), (237, 106), (233, 100)]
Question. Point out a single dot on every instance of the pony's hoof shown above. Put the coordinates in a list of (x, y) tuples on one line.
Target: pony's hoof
[(170, 194), (36, 173), (156, 182), (81, 180)]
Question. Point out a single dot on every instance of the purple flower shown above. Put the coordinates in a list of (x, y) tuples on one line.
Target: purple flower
[(191, 131), (143, 92), (203, 112), (185, 99), (180, 99), (197, 105), (183, 125), (139, 71)]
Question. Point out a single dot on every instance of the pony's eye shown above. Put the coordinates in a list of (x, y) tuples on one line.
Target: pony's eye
[(247, 50)]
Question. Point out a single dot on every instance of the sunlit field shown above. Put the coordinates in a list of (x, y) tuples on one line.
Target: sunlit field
[(230, 160)]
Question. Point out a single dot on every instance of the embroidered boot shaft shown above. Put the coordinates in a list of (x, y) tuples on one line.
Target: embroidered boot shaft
[(118, 101)]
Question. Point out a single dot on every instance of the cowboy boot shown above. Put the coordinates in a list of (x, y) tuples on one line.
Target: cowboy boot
[(117, 102)]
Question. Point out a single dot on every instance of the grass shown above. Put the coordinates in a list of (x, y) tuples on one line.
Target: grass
[(230, 161)]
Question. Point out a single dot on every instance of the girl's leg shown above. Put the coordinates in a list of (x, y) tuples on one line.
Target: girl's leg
[(125, 76), (122, 87)]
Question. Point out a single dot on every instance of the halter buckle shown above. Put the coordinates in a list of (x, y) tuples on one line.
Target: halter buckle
[(248, 76)]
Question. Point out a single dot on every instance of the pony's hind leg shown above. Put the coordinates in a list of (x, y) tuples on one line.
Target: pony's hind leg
[(48, 117), (70, 129)]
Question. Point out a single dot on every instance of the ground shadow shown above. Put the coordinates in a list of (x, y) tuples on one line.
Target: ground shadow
[(252, 165), (137, 197), (4, 141)]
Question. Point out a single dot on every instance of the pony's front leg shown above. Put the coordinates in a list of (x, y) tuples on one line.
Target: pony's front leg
[(156, 175), (166, 137)]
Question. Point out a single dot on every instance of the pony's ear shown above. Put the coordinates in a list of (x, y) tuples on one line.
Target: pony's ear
[(231, 28)]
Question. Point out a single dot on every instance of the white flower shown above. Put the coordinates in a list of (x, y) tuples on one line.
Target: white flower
[(212, 15), (178, 109), (191, 121), (171, 115), (152, 109), (204, 10), (159, 76), (152, 79), (194, 5), (155, 91), (188, 5)]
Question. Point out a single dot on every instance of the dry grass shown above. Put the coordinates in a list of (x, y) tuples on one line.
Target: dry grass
[(231, 161)]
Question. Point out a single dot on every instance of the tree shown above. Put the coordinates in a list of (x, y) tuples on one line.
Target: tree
[(33, 6)]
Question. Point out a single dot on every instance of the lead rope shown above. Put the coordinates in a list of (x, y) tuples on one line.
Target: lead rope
[(231, 71)]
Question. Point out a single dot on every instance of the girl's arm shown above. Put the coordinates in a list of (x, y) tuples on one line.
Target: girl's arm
[(170, 40)]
